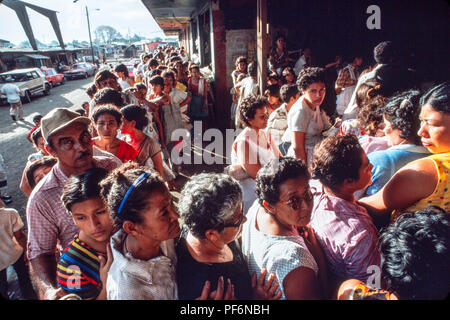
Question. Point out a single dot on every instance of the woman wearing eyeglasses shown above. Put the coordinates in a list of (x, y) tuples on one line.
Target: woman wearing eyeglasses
[(276, 235), (343, 228), (143, 248), (207, 251)]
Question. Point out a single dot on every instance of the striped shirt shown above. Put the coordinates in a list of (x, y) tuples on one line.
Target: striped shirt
[(347, 236), (78, 270)]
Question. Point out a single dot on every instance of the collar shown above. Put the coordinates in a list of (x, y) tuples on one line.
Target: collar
[(411, 148)]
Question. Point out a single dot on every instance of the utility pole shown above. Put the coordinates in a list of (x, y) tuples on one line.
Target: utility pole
[(90, 38)]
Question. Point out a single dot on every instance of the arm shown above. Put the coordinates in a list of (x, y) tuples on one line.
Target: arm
[(24, 185), (298, 144), (43, 275), (185, 101), (301, 284), (105, 265), (21, 239), (410, 184), (250, 162), (160, 129), (158, 163)]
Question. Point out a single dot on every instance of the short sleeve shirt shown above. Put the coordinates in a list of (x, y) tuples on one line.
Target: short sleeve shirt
[(10, 250), (12, 92)]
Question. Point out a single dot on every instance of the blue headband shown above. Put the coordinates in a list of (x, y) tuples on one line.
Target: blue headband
[(137, 182)]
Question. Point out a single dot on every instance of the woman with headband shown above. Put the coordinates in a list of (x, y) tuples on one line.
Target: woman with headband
[(143, 249)]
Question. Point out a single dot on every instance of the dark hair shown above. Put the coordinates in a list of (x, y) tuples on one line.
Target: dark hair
[(239, 60), (288, 70), (108, 96), (402, 111), (37, 117), (438, 97), (248, 107), (273, 75), (157, 80), (153, 63), (194, 66), (136, 113), (80, 111), (384, 52), (366, 91), (370, 114), (310, 75), (271, 176), (208, 201), (336, 159), (251, 69), (140, 86), (168, 73), (91, 90), (107, 109), (122, 68), (103, 75), (273, 90), (83, 187), (416, 255), (288, 91), (35, 136), (45, 161), (155, 72), (118, 182)]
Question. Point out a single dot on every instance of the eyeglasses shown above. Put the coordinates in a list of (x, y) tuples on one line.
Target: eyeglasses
[(296, 202), (67, 144), (237, 224)]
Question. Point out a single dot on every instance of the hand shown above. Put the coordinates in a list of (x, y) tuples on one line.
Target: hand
[(338, 90), (265, 290), (54, 294), (218, 294), (105, 264)]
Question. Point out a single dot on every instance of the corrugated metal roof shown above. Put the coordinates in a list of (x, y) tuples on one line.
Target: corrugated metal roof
[(36, 56)]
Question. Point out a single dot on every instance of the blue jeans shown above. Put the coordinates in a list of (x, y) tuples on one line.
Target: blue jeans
[(26, 288)]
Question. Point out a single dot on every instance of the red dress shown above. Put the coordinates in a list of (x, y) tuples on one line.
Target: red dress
[(126, 152)]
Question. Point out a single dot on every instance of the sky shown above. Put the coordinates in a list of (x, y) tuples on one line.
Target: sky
[(126, 16)]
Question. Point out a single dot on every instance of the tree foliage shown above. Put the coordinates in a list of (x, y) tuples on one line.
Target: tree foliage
[(106, 34)]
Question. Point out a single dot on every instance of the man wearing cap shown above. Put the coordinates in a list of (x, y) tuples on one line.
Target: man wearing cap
[(67, 139), (12, 93)]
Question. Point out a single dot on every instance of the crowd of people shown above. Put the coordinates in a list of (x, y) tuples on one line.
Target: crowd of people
[(347, 203)]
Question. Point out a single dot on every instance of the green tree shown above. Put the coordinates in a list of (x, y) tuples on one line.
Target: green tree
[(105, 34)]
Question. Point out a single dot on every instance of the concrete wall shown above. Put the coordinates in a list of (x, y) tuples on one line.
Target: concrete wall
[(239, 43)]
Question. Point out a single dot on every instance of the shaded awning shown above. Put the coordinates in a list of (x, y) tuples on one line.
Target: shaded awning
[(172, 16), (36, 56)]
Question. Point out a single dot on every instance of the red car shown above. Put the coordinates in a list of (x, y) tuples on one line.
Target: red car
[(53, 77), (81, 70)]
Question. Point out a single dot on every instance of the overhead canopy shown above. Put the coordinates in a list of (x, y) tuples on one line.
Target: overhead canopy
[(36, 56), (173, 15)]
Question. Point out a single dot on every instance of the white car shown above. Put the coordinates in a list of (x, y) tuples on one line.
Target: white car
[(31, 81)]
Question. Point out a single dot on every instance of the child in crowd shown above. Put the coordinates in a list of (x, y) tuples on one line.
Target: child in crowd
[(37, 123), (13, 243), (272, 93), (84, 264)]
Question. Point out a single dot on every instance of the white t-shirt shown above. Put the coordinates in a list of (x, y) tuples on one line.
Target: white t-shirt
[(10, 249), (12, 92)]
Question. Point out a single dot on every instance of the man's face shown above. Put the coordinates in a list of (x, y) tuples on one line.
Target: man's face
[(109, 83), (72, 147)]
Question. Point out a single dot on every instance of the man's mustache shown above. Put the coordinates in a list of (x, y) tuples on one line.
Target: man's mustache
[(83, 154)]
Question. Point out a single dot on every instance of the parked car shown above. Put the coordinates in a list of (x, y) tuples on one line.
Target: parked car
[(30, 81), (80, 70), (53, 77)]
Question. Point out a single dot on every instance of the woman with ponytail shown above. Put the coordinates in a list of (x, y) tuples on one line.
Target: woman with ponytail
[(425, 181), (401, 123)]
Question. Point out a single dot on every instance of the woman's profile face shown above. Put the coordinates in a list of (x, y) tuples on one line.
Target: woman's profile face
[(434, 129), (295, 203), (159, 218), (315, 93), (259, 121), (233, 227)]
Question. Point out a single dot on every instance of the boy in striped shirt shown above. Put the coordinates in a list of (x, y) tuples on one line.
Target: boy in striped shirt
[(83, 266)]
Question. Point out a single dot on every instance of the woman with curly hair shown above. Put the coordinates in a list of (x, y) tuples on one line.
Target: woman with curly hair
[(343, 228), (241, 68), (276, 236), (425, 181), (306, 120), (288, 76), (401, 123), (253, 147), (207, 250), (142, 208)]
